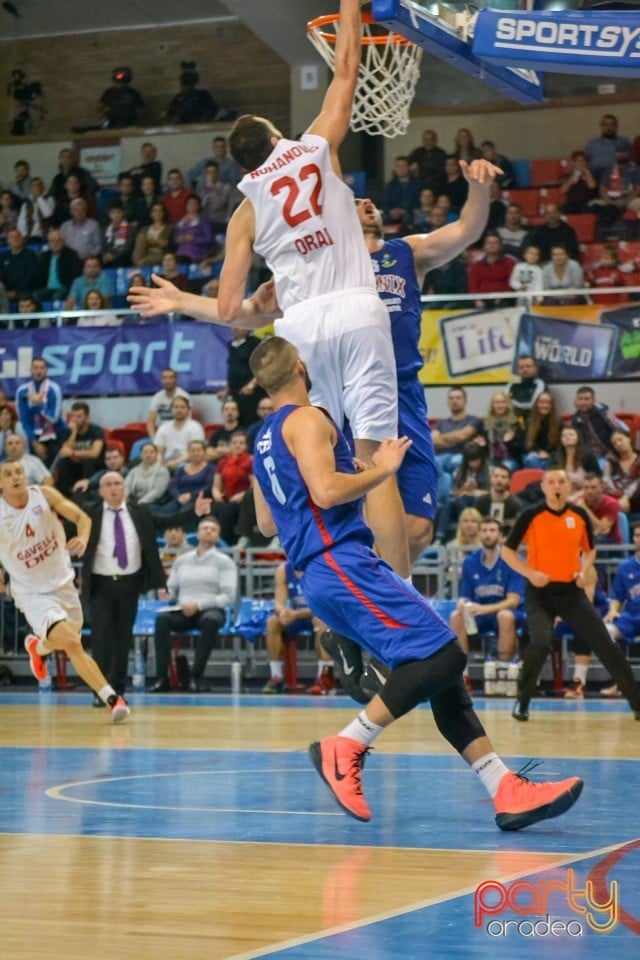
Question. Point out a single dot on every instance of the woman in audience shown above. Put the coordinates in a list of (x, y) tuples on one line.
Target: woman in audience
[(503, 433), (467, 537), (577, 462), (543, 433), (465, 148), (9, 423), (194, 476), (421, 220), (562, 273), (8, 215), (153, 241), (95, 301), (470, 481), (622, 473), (231, 482), (579, 186), (148, 482), (193, 235)]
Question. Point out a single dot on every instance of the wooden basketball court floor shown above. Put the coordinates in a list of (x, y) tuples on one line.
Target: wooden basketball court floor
[(199, 829)]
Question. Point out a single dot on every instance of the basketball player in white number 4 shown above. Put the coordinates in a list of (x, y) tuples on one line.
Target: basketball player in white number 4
[(300, 216), (32, 551)]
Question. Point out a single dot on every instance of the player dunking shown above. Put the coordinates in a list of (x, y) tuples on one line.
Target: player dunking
[(32, 551), (306, 490), (299, 215)]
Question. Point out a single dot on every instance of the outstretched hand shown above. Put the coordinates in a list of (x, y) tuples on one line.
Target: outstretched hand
[(265, 299), (150, 301), (479, 171), (390, 453)]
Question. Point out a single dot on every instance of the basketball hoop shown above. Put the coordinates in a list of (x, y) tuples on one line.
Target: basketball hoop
[(387, 78)]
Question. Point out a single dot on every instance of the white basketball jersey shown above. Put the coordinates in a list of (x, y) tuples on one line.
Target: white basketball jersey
[(307, 228), (32, 546)]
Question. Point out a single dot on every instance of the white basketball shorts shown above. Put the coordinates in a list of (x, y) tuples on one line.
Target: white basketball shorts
[(43, 610)]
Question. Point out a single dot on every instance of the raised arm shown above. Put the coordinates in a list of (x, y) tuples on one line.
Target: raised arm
[(333, 121)]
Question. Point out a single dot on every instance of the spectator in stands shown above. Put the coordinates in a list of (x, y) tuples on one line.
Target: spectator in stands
[(4, 304), (191, 105), (451, 278), (117, 242), (579, 186), (451, 433), (28, 303), (421, 218), (577, 462), (499, 503), (202, 583), (601, 151), (21, 185), (622, 619), (120, 103), (39, 405), (218, 442), (492, 273), (175, 544), (443, 205), (147, 482), (149, 166), (497, 209), (502, 433), (8, 215), (92, 278), (72, 191), (9, 425), (543, 432), (149, 195), (507, 179), (134, 207), (161, 402), (231, 482), (525, 392), (562, 273), (428, 161), (464, 147), (174, 436), (241, 384), (190, 478), (512, 233), (35, 471), (603, 510), (193, 235), (18, 266), (607, 273), (36, 212), (97, 303), (622, 473), (402, 194), (82, 233), (153, 241), (68, 165), (58, 267), (86, 492), (593, 422), (176, 196), (218, 199), (264, 408), (467, 535), (456, 187), (291, 616), (171, 272), (619, 191), (490, 592), (228, 168), (82, 452), (554, 232), (470, 480), (134, 319), (526, 276)]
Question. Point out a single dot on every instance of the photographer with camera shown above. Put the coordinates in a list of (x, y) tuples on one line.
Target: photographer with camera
[(191, 105), (119, 104), (26, 96)]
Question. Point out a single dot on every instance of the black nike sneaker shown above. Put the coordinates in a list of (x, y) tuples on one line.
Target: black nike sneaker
[(347, 663)]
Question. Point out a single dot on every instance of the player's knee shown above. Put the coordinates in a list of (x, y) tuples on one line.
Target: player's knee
[(506, 618)]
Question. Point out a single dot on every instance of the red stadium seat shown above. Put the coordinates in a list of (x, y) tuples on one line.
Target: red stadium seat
[(632, 421), (527, 200), (550, 195), (126, 436), (584, 225), (522, 478), (591, 255), (546, 172)]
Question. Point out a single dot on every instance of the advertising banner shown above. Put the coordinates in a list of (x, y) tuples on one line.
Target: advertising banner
[(118, 360)]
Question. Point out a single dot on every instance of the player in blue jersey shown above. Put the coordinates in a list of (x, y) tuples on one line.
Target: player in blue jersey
[(492, 593), (308, 491), (622, 619)]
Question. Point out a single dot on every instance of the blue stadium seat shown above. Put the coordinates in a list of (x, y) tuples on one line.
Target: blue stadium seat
[(522, 169)]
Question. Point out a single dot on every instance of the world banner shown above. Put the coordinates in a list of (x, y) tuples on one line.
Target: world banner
[(570, 343), (99, 361)]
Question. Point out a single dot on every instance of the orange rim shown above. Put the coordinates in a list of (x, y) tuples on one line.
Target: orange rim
[(320, 22)]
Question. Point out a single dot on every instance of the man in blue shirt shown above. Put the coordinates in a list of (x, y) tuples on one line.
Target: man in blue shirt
[(92, 279), (622, 619), (491, 593), (39, 404)]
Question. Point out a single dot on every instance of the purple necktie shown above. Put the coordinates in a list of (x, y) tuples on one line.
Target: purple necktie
[(120, 549)]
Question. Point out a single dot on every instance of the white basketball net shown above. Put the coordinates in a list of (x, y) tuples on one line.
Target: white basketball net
[(389, 72)]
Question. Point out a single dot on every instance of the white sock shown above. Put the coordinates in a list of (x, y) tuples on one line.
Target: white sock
[(362, 729), (276, 667), (106, 692), (491, 770), (580, 673), (41, 649)]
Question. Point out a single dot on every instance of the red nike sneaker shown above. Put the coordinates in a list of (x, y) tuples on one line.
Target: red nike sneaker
[(339, 761), (519, 803)]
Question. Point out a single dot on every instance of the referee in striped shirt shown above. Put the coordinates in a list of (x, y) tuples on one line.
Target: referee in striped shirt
[(560, 555)]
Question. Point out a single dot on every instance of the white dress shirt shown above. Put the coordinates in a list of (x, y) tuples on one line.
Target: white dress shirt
[(104, 563)]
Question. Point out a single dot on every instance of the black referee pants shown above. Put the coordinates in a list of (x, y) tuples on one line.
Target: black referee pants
[(566, 600)]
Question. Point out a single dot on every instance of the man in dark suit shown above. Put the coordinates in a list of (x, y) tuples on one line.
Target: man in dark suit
[(121, 562), (58, 267)]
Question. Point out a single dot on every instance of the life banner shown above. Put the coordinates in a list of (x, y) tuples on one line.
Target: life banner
[(99, 361), (604, 43), (569, 342)]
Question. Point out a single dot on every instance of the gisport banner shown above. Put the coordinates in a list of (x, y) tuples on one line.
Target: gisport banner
[(118, 360), (605, 43)]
